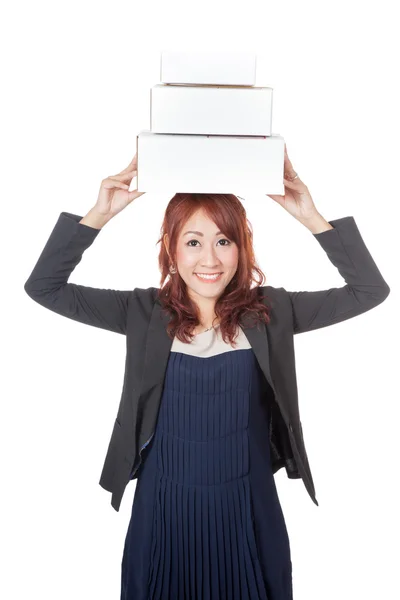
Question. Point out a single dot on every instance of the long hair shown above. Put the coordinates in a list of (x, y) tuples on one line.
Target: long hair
[(228, 213)]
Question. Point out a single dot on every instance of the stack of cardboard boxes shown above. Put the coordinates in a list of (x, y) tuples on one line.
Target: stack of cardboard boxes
[(210, 128)]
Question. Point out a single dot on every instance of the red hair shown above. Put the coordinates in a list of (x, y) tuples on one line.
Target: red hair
[(228, 213)]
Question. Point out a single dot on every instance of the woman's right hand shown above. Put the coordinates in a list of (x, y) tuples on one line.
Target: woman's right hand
[(114, 194)]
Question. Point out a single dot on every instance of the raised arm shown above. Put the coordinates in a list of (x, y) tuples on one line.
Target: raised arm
[(48, 283), (365, 287), (72, 235)]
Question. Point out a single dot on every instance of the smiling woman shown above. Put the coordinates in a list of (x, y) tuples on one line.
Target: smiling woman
[(209, 409), (207, 250)]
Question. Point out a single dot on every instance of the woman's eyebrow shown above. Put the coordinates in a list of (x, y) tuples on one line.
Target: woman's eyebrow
[(199, 233)]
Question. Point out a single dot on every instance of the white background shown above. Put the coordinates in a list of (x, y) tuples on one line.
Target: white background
[(76, 89)]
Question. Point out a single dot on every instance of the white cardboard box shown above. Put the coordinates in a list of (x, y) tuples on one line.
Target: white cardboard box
[(211, 164), (214, 110), (235, 67)]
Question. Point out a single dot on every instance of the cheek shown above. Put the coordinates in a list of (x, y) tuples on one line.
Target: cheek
[(232, 259), (186, 259)]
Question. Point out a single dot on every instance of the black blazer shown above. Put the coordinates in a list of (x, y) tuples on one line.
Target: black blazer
[(138, 315)]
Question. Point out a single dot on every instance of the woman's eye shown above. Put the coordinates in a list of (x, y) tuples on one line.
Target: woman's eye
[(221, 240)]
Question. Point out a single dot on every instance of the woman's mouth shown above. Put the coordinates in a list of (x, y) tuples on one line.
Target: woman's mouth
[(209, 278)]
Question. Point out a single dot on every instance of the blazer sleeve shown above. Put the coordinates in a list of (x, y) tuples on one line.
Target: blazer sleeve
[(365, 287), (48, 283)]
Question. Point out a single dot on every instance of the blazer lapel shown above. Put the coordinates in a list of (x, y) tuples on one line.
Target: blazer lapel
[(158, 346)]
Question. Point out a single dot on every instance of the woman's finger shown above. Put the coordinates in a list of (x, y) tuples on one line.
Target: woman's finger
[(290, 184), (129, 167), (110, 183), (122, 177), (288, 167), (296, 184), (287, 159), (133, 194)]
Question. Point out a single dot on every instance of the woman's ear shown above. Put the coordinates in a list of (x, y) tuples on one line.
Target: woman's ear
[(166, 242)]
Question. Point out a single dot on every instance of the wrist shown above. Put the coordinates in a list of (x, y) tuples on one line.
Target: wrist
[(94, 219), (316, 224)]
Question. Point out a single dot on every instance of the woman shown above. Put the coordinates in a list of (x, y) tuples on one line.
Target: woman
[(206, 520)]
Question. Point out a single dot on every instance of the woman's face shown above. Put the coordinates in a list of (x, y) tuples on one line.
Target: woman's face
[(202, 249)]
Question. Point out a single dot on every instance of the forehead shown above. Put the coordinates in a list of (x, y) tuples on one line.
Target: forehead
[(198, 219)]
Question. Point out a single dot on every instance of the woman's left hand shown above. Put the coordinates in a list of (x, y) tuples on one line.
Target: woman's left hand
[(297, 199)]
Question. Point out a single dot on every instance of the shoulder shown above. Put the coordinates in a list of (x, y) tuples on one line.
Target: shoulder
[(277, 295), (145, 295), (277, 299)]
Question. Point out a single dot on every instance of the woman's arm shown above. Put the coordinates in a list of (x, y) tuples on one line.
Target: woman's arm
[(48, 283), (365, 287)]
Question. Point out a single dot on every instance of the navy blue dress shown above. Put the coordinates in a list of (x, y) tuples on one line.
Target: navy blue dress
[(206, 520)]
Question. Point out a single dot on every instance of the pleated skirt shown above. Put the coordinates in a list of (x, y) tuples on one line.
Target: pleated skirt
[(206, 521)]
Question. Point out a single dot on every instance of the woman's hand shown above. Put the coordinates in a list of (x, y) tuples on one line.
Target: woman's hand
[(114, 193), (297, 200)]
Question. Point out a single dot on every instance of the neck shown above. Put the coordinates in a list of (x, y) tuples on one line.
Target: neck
[(207, 324)]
